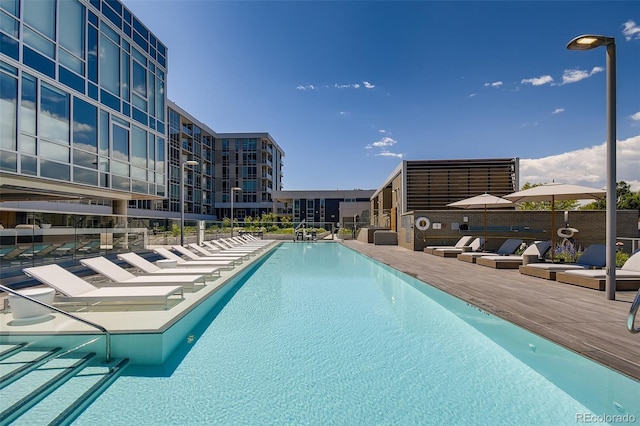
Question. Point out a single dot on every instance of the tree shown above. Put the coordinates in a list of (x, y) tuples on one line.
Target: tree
[(626, 199), (546, 205)]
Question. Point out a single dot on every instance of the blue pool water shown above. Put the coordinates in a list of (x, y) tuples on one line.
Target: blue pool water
[(320, 334)]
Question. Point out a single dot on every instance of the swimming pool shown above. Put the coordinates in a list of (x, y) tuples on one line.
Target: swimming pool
[(319, 334)]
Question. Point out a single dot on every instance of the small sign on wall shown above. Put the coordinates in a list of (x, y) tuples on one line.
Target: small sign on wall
[(437, 225)]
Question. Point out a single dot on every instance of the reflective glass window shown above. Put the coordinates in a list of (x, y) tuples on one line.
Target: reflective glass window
[(27, 144), (11, 6), (81, 175), (39, 43), (151, 92), (70, 79), (120, 143), (109, 65), (139, 56), (71, 29), (159, 93), (8, 161), (85, 159), (53, 170), (9, 25), (41, 15), (53, 151), (109, 100), (139, 80), (28, 105), (39, 62), (120, 168), (125, 76), (160, 155), (85, 125), (152, 151), (92, 49), (113, 17), (140, 186), (109, 32), (104, 133), (138, 173), (70, 61), (28, 165), (9, 46), (54, 114), (8, 111), (120, 183), (138, 147)]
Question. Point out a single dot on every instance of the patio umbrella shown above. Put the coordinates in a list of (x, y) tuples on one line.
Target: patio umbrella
[(482, 201), (556, 192)]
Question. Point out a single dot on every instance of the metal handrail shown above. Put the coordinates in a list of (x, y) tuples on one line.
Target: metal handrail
[(632, 314), (60, 311)]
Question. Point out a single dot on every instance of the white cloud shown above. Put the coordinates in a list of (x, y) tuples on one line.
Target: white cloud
[(347, 86), (636, 116), (573, 76), (382, 131), (585, 166), (558, 110), (495, 84), (368, 85), (472, 95), (631, 30), (343, 113), (538, 81), (386, 141), (389, 154), (307, 87)]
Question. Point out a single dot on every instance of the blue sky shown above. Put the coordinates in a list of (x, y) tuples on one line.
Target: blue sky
[(350, 89)]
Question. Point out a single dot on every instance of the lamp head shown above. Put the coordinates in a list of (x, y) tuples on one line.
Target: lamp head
[(190, 163), (236, 189), (590, 41)]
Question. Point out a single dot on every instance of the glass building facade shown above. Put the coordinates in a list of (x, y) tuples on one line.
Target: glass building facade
[(83, 99)]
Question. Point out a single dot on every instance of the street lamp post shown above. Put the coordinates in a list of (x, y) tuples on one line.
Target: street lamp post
[(587, 42), (182, 166), (232, 197)]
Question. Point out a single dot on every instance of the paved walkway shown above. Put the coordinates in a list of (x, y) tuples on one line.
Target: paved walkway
[(578, 318)]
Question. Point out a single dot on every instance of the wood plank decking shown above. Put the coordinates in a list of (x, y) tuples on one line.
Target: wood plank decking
[(577, 318)]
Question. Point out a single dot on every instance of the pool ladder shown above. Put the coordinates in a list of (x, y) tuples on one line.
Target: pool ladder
[(633, 312)]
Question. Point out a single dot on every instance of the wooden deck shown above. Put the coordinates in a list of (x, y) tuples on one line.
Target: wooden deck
[(577, 318)]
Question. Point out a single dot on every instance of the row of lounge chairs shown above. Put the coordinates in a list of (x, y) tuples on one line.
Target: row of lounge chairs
[(586, 272), (154, 285)]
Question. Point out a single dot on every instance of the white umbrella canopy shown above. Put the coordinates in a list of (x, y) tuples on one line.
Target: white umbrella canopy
[(485, 201), (556, 192)]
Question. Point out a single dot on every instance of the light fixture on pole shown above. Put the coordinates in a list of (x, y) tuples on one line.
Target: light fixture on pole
[(182, 166), (587, 42), (232, 197)]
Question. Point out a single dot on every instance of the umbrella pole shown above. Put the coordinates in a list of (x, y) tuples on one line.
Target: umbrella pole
[(553, 227), (484, 243)]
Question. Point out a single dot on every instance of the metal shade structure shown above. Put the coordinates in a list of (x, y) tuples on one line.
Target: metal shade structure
[(485, 201), (556, 192)]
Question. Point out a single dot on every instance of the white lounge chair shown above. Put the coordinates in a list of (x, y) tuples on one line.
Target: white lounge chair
[(167, 254), (507, 248), (212, 246), (463, 241), (214, 252), (538, 249), (74, 289), (194, 257), (627, 277), (593, 256), (115, 273), (147, 267), (476, 245)]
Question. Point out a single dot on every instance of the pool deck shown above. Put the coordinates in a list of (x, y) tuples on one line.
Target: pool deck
[(577, 318)]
